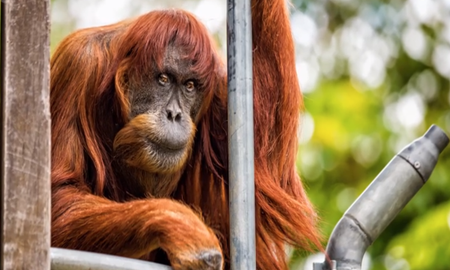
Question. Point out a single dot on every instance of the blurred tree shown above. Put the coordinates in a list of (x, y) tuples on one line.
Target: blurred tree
[(380, 77)]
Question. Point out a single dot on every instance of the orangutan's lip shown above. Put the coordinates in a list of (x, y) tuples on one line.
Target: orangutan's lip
[(165, 147)]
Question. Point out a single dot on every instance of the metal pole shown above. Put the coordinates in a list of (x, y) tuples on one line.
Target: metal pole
[(66, 259), (383, 199), (25, 134), (240, 136)]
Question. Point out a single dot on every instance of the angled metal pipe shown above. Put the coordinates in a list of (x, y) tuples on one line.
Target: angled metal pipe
[(382, 200)]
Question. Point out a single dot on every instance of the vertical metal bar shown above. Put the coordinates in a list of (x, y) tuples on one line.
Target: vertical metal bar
[(240, 136), (2, 133), (25, 134)]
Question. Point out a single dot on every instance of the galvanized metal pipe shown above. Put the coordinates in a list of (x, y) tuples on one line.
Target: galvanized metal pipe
[(240, 136), (66, 259), (383, 199)]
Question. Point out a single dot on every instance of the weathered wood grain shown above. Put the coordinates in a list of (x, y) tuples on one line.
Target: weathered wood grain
[(25, 145)]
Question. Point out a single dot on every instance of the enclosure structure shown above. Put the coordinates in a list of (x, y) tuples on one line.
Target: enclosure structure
[(25, 157), (25, 145), (383, 200), (240, 142)]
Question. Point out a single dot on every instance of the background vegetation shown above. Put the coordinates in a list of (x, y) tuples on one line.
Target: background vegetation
[(375, 75)]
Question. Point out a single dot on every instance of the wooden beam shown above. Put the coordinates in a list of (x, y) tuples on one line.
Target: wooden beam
[(25, 133)]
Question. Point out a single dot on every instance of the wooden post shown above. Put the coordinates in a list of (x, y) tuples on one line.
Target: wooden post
[(25, 133)]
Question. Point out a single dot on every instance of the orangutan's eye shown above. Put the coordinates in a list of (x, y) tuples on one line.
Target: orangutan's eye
[(190, 86), (163, 79)]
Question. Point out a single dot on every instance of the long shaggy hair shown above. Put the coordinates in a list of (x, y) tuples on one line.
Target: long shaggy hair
[(90, 72)]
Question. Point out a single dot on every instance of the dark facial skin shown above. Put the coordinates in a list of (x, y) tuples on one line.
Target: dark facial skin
[(158, 138), (173, 95), (155, 144)]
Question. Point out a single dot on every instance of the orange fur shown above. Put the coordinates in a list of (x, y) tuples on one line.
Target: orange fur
[(91, 207)]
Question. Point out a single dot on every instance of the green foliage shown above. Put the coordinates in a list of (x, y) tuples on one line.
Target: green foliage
[(425, 242), (349, 147), (358, 125)]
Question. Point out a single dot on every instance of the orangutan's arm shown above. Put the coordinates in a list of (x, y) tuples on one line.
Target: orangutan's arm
[(133, 229)]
